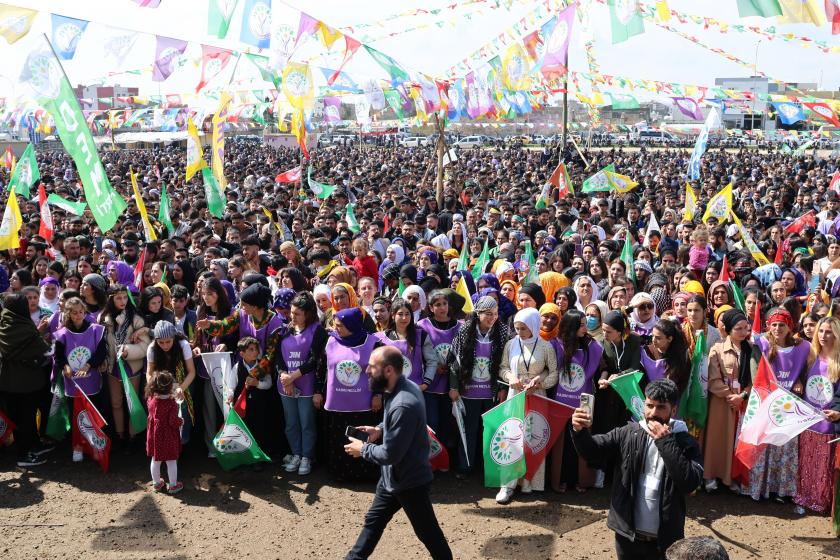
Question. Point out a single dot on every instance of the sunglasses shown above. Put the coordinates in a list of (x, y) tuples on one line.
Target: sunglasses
[(644, 306)]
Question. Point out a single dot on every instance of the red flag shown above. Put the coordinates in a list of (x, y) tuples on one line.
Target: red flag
[(46, 228), (747, 454), (809, 219), (756, 326), (138, 269), (824, 111), (777, 259), (832, 12), (351, 45), (834, 185), (438, 455), (725, 275), (9, 158), (545, 419), (87, 430), (241, 403), (213, 61), (387, 224), (290, 176), (6, 428)]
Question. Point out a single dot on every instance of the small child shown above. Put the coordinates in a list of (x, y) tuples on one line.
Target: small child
[(698, 255), (257, 400), (163, 434)]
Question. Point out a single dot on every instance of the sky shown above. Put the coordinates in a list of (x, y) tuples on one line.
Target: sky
[(655, 55)]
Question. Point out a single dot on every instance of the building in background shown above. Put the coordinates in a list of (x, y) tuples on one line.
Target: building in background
[(105, 97)]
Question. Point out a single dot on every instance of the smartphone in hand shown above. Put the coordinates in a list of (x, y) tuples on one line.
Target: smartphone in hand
[(587, 402), (355, 433)]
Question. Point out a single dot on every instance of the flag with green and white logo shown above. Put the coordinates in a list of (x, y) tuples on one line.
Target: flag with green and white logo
[(504, 442), (165, 211), (533, 274), (235, 445), (599, 182), (350, 217), (26, 173), (627, 387), (321, 190), (75, 208)]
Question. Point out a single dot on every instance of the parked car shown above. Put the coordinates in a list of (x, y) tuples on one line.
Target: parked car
[(413, 141), (469, 142)]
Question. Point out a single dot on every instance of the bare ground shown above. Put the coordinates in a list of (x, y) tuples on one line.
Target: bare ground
[(66, 510)]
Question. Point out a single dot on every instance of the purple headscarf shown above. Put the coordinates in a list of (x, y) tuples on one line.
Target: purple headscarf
[(353, 321), (125, 274)]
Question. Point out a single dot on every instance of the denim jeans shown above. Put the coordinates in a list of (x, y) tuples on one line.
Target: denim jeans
[(300, 425)]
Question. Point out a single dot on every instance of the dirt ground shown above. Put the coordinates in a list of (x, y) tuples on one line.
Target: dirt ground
[(67, 510)]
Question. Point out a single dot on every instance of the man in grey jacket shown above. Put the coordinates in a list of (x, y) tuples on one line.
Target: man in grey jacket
[(403, 455)]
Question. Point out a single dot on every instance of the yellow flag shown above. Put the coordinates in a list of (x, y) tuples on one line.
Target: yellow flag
[(15, 22), (195, 153), (802, 11), (147, 226), (621, 183), (218, 161), (298, 86), (690, 203), (10, 226), (515, 68), (328, 35), (720, 205), (663, 12), (756, 253), (462, 290)]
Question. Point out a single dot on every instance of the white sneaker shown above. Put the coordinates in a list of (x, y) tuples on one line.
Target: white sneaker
[(711, 485), (286, 459), (526, 486), (504, 495), (293, 464), (305, 466), (599, 479), (78, 456)]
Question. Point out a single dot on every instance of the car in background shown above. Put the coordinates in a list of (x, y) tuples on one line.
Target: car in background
[(413, 141), (653, 137), (469, 142)]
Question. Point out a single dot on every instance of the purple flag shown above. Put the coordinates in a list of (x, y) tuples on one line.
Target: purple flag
[(688, 107), (556, 34), (147, 3), (473, 109), (332, 109), (166, 54), (307, 26)]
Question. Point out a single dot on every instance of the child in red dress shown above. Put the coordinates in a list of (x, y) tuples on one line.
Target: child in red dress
[(163, 435)]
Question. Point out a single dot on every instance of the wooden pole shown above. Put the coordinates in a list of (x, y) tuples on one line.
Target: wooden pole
[(441, 150), (565, 112)]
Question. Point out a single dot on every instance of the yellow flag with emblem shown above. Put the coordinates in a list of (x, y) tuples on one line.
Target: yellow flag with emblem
[(720, 205), (690, 203), (218, 156), (621, 183), (147, 226), (756, 253), (10, 226), (195, 153)]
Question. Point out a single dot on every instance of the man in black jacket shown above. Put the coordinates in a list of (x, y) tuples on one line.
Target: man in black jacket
[(656, 463)]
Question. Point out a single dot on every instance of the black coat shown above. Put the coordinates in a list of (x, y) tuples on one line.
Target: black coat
[(22, 350), (625, 448)]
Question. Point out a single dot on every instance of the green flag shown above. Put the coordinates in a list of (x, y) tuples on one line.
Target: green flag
[(26, 173), (464, 257), (213, 194), (321, 190), (504, 442), (760, 8), (235, 445), (75, 208), (401, 287), (623, 101), (394, 99), (599, 182), (219, 14), (136, 413), (481, 264), (625, 19), (694, 405), (533, 274), (350, 217), (627, 387), (58, 422), (398, 75), (738, 296), (266, 73), (164, 212), (43, 74), (627, 257)]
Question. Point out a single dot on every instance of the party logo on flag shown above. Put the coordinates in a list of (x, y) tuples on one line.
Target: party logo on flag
[(638, 406), (91, 433), (507, 444), (233, 439), (625, 10), (819, 390), (537, 431), (785, 410)]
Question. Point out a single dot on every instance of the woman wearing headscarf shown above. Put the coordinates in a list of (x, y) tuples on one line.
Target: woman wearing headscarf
[(416, 298), (586, 291), (394, 254), (342, 390), (530, 296), (579, 360), (719, 294), (339, 275), (679, 307), (474, 374), (733, 362), (595, 313), (794, 282), (22, 377), (643, 317), (166, 294), (776, 471), (343, 296), (121, 273), (48, 297), (509, 289), (507, 309), (529, 364), (488, 280), (551, 282), (696, 323)]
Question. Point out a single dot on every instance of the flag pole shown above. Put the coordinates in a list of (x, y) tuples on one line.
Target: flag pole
[(79, 389)]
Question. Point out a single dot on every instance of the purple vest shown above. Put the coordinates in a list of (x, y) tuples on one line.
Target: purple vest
[(442, 341), (413, 364), (655, 369), (246, 328), (200, 370), (295, 350), (788, 362), (347, 382), (78, 349), (581, 372), (479, 385), (819, 392)]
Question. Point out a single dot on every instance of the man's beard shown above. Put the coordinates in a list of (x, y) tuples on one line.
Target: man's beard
[(130, 259), (377, 384)]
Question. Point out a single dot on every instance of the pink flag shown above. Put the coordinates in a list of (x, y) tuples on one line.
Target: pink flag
[(332, 109), (473, 109), (307, 26), (213, 61), (166, 54), (351, 45), (147, 3), (556, 34), (688, 107)]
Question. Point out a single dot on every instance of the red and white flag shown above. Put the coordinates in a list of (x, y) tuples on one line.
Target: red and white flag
[(545, 419), (138, 269), (438, 455), (290, 176), (46, 228), (834, 185), (87, 430), (809, 219)]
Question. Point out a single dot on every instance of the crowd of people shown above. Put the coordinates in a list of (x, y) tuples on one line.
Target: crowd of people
[(302, 301)]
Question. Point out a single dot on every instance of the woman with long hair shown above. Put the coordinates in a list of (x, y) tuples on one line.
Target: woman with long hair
[(419, 357), (94, 291), (152, 309), (290, 277), (171, 352), (184, 274), (596, 269), (667, 355), (696, 322), (474, 374)]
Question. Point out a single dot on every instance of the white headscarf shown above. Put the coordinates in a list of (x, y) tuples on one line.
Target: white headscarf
[(399, 252), (529, 317), (637, 326), (415, 289), (595, 291), (321, 289)]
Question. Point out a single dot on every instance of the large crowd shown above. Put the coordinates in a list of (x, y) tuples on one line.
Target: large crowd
[(302, 300)]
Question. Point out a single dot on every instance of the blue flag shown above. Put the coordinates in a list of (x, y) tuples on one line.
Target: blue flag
[(342, 83), (256, 23), (457, 101), (789, 113), (66, 32), (712, 121)]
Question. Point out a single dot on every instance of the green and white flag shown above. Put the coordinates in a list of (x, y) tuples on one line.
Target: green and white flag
[(165, 212), (504, 442), (627, 387), (213, 194), (623, 101), (694, 404), (321, 190), (235, 445), (48, 85), (627, 257), (625, 19), (26, 173), (136, 414), (219, 14), (533, 274), (350, 217), (599, 182), (58, 422), (760, 8), (464, 257), (481, 264), (75, 208), (266, 73)]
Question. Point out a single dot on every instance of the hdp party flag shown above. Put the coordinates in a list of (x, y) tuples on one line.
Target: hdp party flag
[(694, 405), (46, 228), (141, 207), (256, 23), (760, 258), (6, 427), (195, 152), (66, 33), (690, 203), (219, 370), (87, 430), (720, 205), (136, 414), (688, 107), (625, 19), (219, 14), (623, 101), (560, 178), (557, 33), (620, 183), (290, 176), (58, 421), (627, 387), (266, 73), (789, 113), (217, 162), (598, 182), (545, 419), (25, 173), (802, 11), (438, 455), (823, 111), (235, 445), (15, 22), (504, 441), (713, 121), (627, 256), (395, 71), (10, 226), (350, 218), (213, 194), (321, 190), (167, 53), (533, 274), (213, 61), (164, 210), (43, 74), (480, 265)]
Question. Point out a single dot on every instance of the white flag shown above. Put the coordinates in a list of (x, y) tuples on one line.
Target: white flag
[(653, 225), (222, 375), (780, 417)]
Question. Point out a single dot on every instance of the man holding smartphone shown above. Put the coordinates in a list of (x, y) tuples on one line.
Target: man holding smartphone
[(656, 464), (400, 445)]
